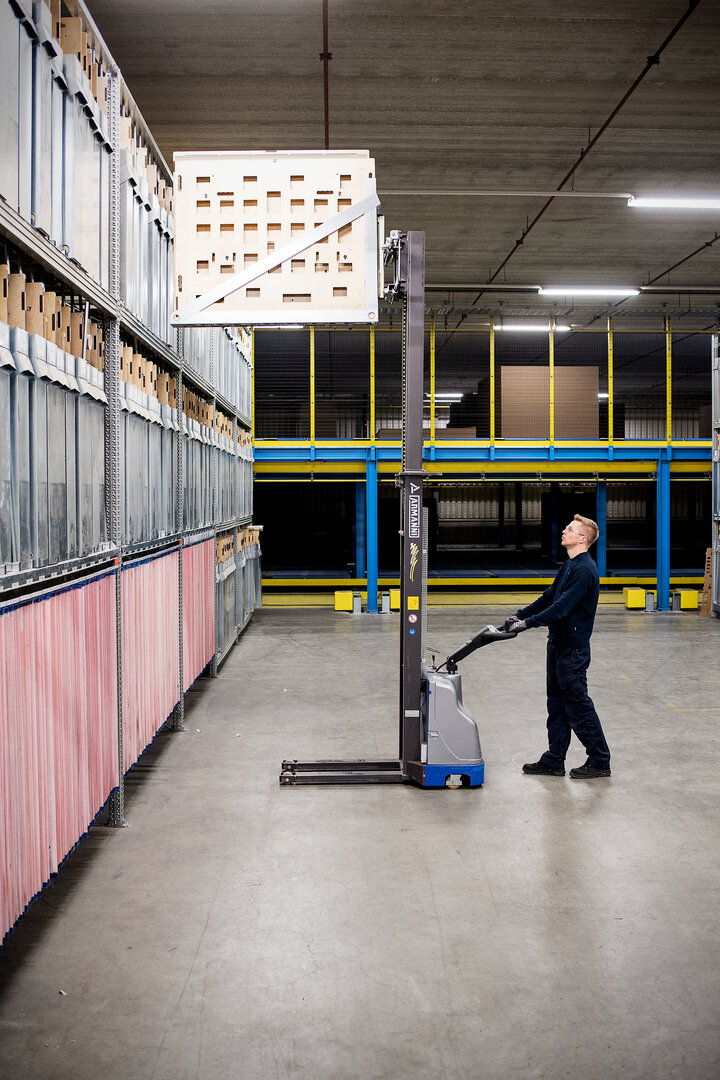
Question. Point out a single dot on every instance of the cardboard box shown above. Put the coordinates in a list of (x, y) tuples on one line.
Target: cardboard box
[(34, 308), (139, 371), (16, 300), (50, 302), (126, 133), (163, 388), (93, 77), (55, 14), (77, 330), (126, 364), (102, 92), (4, 273), (92, 351), (525, 402), (62, 314), (100, 348), (462, 433), (71, 37)]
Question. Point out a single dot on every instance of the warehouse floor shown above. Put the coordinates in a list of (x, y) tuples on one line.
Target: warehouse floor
[(534, 929)]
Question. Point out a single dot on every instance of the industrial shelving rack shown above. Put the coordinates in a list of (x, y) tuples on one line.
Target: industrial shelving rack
[(210, 365), (675, 449)]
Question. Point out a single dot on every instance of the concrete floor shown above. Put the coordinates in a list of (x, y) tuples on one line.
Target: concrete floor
[(534, 929)]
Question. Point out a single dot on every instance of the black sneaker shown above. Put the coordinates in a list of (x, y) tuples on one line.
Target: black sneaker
[(540, 768), (588, 772)]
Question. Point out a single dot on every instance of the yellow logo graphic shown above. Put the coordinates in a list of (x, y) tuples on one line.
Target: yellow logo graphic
[(414, 556)]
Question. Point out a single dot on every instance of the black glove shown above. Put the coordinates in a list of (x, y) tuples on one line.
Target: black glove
[(507, 625), (516, 626)]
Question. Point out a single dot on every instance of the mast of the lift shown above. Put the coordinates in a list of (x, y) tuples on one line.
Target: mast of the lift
[(410, 480)]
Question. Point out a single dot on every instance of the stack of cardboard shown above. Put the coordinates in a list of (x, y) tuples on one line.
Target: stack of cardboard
[(223, 548), (525, 402)]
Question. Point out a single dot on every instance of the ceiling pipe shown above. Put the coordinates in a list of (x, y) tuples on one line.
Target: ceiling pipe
[(652, 61), (703, 247), (499, 193)]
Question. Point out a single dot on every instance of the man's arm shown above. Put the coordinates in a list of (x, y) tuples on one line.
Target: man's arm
[(544, 601), (575, 587)]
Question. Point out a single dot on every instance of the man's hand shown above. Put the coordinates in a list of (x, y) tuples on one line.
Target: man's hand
[(515, 626), (509, 623)]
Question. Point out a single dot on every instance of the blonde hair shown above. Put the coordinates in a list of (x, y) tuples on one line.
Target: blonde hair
[(591, 530)]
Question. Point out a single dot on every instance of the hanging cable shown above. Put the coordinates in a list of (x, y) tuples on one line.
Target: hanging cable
[(326, 57)]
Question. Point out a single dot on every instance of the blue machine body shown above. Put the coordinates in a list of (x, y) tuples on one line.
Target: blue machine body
[(437, 775)]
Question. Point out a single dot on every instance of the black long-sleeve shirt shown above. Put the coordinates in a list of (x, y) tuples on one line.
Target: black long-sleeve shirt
[(568, 606)]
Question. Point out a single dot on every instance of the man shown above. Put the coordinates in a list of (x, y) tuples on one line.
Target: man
[(568, 609)]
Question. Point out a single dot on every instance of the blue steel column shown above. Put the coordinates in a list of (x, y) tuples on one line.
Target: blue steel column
[(601, 519), (360, 530), (371, 522), (663, 534)]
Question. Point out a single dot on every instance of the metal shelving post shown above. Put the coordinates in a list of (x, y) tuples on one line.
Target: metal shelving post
[(178, 713), (215, 499), (112, 421)]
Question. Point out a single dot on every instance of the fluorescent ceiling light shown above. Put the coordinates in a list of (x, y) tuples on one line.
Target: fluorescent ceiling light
[(532, 328), (453, 394), (674, 202), (603, 395), (580, 290)]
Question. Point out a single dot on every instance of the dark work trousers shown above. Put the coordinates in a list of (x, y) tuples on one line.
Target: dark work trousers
[(569, 707)]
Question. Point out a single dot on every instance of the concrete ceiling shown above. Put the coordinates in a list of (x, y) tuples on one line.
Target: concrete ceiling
[(470, 95)]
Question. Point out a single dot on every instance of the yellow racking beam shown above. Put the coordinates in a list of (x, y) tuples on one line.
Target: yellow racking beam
[(595, 469), (492, 380), (611, 383), (587, 469), (490, 583), (469, 444), (432, 380), (551, 365), (290, 468), (312, 384)]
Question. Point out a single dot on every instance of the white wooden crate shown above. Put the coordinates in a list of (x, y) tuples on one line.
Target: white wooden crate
[(252, 244)]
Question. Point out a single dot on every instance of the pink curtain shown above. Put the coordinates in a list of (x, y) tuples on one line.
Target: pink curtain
[(151, 666), (198, 609), (58, 732)]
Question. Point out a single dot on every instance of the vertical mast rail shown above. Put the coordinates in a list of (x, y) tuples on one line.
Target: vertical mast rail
[(411, 480)]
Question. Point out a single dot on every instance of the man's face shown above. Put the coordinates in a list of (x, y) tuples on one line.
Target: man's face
[(572, 535)]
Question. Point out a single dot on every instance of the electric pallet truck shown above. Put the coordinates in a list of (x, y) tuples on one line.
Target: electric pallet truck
[(439, 743)]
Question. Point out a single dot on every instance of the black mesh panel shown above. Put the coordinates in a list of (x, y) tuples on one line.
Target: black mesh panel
[(282, 384)]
